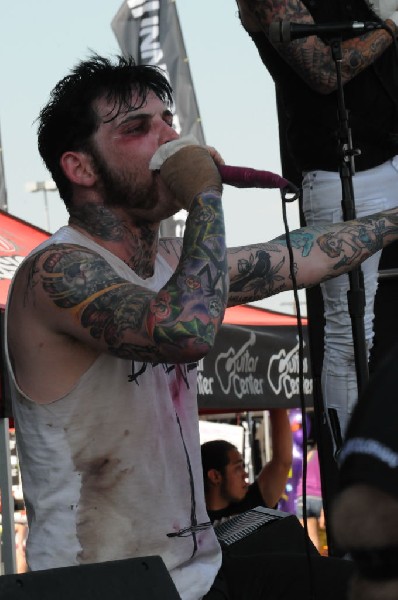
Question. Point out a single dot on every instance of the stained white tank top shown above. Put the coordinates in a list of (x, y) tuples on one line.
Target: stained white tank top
[(112, 470)]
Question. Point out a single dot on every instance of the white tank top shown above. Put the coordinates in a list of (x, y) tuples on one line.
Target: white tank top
[(112, 470)]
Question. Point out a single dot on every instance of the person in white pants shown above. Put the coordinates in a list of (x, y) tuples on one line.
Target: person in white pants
[(305, 75)]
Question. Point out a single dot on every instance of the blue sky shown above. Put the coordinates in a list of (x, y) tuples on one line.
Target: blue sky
[(40, 41)]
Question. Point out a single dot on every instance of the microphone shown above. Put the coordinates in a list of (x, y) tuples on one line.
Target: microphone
[(244, 177), (241, 177), (286, 31)]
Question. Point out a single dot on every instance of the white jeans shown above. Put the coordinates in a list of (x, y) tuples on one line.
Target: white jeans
[(374, 190)]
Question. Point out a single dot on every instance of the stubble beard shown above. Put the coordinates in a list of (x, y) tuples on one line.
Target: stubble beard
[(123, 191)]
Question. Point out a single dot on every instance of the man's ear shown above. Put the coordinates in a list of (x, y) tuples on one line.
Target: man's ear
[(214, 476), (78, 168)]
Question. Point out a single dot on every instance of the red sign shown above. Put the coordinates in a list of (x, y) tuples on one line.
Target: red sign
[(17, 239)]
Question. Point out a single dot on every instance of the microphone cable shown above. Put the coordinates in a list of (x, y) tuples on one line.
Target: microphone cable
[(286, 199)]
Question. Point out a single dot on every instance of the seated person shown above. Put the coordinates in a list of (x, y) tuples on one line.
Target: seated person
[(227, 492)]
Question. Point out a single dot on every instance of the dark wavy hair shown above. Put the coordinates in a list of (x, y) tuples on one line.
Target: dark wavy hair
[(69, 119), (215, 456)]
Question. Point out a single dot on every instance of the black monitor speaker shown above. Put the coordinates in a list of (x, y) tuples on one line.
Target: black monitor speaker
[(143, 578)]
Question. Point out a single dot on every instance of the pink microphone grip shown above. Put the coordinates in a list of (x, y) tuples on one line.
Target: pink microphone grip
[(244, 177)]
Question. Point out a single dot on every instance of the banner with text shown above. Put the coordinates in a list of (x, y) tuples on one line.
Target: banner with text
[(149, 30), (254, 369)]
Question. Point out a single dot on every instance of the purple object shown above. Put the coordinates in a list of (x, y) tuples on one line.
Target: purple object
[(288, 500)]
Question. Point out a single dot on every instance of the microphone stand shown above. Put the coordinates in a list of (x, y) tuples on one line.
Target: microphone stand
[(356, 293)]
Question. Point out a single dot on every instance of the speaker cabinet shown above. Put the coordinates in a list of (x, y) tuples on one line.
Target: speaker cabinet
[(143, 578)]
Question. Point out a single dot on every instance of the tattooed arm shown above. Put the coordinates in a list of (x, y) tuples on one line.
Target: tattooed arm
[(310, 57), (319, 253), (76, 293)]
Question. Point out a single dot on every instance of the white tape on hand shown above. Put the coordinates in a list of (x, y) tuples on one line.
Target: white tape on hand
[(167, 150)]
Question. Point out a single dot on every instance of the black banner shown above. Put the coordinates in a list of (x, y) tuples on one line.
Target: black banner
[(254, 369)]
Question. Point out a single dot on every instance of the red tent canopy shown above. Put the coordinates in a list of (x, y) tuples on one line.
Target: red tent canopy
[(17, 239), (251, 316)]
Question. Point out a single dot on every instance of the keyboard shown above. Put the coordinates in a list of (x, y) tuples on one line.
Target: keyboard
[(238, 527)]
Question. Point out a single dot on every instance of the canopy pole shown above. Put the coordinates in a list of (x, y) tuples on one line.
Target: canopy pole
[(8, 558)]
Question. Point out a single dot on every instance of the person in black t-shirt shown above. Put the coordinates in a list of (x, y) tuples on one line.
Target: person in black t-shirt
[(253, 574), (225, 478)]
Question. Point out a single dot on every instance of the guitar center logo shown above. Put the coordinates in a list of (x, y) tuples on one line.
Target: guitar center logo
[(245, 371), (284, 373), (236, 371)]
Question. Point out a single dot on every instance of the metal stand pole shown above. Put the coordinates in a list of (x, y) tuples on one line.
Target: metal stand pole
[(7, 501), (356, 293)]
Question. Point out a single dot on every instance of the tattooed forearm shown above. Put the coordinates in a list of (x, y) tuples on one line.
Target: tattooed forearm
[(319, 253), (352, 241), (310, 57), (201, 278), (339, 248), (257, 275)]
